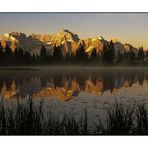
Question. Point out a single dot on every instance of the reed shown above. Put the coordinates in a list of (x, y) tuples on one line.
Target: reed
[(26, 118)]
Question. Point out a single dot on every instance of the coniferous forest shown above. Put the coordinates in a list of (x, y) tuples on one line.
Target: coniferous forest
[(106, 56)]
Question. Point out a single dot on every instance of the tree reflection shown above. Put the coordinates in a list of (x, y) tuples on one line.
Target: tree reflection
[(68, 85)]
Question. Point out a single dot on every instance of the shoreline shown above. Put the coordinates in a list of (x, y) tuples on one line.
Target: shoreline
[(72, 67)]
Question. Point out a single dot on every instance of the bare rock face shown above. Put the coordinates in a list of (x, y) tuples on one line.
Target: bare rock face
[(67, 40), (118, 46), (129, 47), (32, 43), (43, 38), (7, 39), (97, 42)]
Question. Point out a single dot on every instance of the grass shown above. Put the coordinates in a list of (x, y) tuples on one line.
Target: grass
[(119, 121), (26, 118)]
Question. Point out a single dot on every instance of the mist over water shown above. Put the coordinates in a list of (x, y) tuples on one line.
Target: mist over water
[(73, 90)]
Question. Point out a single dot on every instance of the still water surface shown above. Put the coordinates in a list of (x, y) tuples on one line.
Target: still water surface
[(73, 90)]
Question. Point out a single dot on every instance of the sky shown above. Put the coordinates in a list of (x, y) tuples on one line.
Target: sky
[(126, 27)]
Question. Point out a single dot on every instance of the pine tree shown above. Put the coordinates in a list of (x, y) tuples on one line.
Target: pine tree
[(43, 54), (129, 56), (33, 58), (94, 56), (1, 55), (104, 54), (67, 58), (27, 57), (146, 54), (81, 56), (8, 55), (57, 55), (141, 54), (108, 53), (111, 52), (119, 56), (132, 55), (20, 56)]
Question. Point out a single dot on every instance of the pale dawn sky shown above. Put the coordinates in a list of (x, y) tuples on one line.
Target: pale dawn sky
[(126, 27)]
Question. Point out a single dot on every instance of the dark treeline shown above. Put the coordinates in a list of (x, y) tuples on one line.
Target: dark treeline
[(108, 55)]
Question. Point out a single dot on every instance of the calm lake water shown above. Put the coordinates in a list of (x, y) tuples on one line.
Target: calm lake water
[(72, 90)]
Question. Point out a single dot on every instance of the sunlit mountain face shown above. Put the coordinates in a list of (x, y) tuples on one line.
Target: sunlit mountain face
[(66, 85), (69, 42)]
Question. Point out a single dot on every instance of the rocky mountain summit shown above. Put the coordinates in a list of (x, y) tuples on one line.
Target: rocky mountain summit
[(67, 40)]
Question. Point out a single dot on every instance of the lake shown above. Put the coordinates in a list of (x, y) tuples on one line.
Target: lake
[(72, 90)]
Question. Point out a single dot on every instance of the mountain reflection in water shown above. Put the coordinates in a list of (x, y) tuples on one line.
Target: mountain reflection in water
[(65, 86)]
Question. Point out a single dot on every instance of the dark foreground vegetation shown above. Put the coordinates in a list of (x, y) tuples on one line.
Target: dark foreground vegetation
[(30, 119)]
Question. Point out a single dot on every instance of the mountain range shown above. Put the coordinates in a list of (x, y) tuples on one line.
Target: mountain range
[(67, 40)]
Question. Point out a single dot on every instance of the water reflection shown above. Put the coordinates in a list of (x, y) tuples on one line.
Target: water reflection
[(9, 93), (68, 84)]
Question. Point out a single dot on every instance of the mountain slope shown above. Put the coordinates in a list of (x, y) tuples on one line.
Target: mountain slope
[(67, 40)]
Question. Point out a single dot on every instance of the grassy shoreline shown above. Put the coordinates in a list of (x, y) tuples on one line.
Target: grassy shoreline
[(29, 119)]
